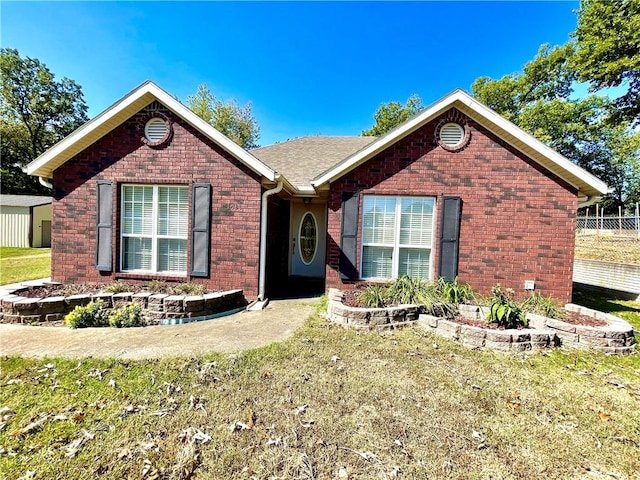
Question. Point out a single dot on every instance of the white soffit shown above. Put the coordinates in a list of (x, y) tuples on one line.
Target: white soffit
[(122, 110), (576, 176)]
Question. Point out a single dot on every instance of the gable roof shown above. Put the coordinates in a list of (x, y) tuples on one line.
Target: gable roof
[(583, 181), (23, 200), (122, 110), (302, 159)]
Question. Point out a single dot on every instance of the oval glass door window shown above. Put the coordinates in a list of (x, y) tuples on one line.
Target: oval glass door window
[(308, 238)]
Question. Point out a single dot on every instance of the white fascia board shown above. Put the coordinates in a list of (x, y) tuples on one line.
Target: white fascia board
[(229, 145), (151, 90), (510, 128), (383, 142), (89, 127), (565, 165)]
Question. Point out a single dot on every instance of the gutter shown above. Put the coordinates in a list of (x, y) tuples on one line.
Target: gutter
[(262, 302), (45, 182)]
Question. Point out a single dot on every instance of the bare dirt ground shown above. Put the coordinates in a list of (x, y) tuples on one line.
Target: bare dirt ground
[(241, 331)]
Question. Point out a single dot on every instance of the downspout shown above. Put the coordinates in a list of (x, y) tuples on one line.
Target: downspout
[(45, 182), (263, 238)]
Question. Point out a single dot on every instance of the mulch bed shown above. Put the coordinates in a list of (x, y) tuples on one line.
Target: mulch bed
[(68, 290), (351, 299)]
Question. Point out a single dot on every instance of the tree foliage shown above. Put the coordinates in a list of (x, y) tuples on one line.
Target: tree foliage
[(36, 111), (234, 121), (607, 54), (539, 100), (392, 114)]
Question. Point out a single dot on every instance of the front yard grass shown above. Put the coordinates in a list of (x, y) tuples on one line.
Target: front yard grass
[(18, 264), (327, 403), (628, 310)]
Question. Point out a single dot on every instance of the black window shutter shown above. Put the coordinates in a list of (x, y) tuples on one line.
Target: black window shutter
[(104, 226), (348, 236), (449, 237), (201, 228)]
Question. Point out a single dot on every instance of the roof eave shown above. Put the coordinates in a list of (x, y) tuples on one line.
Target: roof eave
[(122, 110), (580, 179)]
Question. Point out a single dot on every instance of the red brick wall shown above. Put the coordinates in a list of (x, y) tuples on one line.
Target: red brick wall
[(518, 220), (187, 158)]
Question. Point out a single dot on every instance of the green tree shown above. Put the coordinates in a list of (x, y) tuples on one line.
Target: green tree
[(228, 117), (36, 111), (391, 114), (538, 100), (607, 42)]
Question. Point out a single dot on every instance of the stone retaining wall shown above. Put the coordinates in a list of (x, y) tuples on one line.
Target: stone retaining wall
[(156, 308), (616, 337)]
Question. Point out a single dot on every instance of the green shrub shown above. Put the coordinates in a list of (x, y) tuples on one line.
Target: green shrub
[(374, 296), (90, 315), (407, 290), (450, 291), (129, 315), (548, 307), (117, 287), (503, 310), (189, 288), (157, 286)]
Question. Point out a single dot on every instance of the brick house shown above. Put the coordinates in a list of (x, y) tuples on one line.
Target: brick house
[(147, 190)]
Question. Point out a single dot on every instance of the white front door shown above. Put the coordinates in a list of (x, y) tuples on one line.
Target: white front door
[(308, 239)]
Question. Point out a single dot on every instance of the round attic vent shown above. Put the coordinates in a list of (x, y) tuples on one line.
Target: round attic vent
[(156, 130), (452, 134)]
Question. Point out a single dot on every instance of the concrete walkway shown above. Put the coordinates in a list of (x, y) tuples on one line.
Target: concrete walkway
[(236, 332)]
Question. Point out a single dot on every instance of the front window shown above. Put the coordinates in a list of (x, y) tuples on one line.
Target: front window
[(154, 228), (397, 237)]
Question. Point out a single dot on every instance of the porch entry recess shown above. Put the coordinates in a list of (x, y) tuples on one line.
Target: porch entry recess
[(308, 239)]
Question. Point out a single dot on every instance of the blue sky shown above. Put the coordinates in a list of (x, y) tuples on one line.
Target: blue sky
[(308, 68)]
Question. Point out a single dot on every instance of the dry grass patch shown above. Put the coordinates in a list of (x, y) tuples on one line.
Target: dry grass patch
[(608, 249), (328, 403)]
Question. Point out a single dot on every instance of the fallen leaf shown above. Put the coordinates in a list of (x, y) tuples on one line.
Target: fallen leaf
[(605, 417), (112, 383), (477, 435), (124, 453), (274, 442), (238, 426), (33, 426), (335, 358), (73, 447), (299, 410), (251, 417)]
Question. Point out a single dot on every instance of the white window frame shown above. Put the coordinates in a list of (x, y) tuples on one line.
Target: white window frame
[(155, 237), (395, 259)]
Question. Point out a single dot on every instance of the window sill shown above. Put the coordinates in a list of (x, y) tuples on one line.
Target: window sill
[(151, 276)]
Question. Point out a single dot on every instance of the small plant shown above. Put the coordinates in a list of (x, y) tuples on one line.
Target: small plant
[(548, 307), (189, 288), (90, 315), (157, 286), (129, 315), (117, 287), (451, 291), (374, 296), (407, 290), (503, 310)]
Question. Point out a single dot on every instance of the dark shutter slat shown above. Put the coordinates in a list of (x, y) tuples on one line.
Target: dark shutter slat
[(104, 226), (348, 236), (200, 232), (449, 237)]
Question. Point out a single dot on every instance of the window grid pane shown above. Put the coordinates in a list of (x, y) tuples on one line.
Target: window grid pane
[(161, 240), (377, 262), (397, 236)]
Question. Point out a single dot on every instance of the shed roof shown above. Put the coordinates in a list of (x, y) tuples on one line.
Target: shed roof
[(23, 200)]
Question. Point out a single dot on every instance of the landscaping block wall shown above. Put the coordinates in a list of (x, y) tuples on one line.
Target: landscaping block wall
[(518, 219), (188, 157), (156, 308)]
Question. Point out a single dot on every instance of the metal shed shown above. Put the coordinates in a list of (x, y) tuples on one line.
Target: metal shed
[(25, 221)]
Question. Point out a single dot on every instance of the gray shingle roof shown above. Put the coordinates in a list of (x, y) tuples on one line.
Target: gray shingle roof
[(23, 200), (304, 158)]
